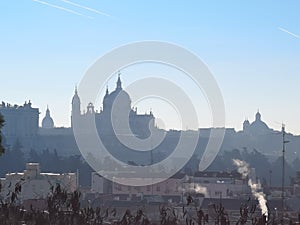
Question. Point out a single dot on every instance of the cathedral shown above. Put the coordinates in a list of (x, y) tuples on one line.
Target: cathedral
[(116, 108), (258, 127)]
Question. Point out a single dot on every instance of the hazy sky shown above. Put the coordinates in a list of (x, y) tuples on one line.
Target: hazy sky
[(251, 47)]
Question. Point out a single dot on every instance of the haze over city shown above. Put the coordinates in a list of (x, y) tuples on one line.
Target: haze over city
[(252, 49), (149, 112)]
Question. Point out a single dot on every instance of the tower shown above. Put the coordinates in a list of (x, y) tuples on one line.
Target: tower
[(246, 125), (75, 107)]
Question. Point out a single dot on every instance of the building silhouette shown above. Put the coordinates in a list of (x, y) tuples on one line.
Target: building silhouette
[(20, 121), (257, 127), (22, 124), (115, 114)]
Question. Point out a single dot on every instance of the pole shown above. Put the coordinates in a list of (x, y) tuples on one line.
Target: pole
[(283, 168), (151, 163), (270, 181)]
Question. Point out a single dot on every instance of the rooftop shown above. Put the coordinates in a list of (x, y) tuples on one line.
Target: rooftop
[(233, 174)]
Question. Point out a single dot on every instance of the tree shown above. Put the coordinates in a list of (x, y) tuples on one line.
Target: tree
[(2, 150), (296, 164), (34, 156), (17, 160)]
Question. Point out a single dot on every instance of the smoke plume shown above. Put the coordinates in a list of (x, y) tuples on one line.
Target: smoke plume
[(244, 170), (195, 188), (200, 190)]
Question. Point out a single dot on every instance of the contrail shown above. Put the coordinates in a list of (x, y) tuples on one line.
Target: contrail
[(86, 8), (62, 8), (288, 32)]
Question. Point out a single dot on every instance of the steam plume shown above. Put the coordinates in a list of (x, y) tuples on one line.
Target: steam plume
[(244, 170), (196, 189)]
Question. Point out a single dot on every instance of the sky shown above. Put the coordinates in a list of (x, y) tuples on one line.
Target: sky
[(251, 47)]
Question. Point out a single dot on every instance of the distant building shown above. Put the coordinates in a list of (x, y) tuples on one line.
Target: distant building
[(36, 185), (117, 107), (172, 187), (47, 122), (213, 185), (257, 127), (20, 121), (100, 184), (225, 185)]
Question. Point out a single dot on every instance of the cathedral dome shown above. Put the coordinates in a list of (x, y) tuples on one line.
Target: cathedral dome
[(258, 126), (123, 95), (123, 98), (47, 121), (120, 97)]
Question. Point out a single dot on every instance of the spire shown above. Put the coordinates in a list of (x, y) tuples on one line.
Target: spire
[(76, 97), (76, 93), (76, 102), (119, 83), (106, 90), (48, 111)]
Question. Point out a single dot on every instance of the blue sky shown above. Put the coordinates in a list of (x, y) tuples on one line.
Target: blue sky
[(45, 50)]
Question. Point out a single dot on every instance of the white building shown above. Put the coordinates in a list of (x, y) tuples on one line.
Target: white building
[(212, 185), (221, 184), (100, 184), (169, 187), (36, 185)]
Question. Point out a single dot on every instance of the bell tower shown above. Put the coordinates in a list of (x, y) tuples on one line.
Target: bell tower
[(75, 107)]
